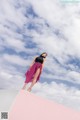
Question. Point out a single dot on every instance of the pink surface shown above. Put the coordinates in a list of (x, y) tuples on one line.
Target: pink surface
[(28, 106)]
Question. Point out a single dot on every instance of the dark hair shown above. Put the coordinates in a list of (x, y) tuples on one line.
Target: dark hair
[(42, 54)]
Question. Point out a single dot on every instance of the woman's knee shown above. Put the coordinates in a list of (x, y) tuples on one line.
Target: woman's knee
[(37, 73)]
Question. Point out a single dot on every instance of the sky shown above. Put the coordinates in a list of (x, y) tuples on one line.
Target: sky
[(31, 27)]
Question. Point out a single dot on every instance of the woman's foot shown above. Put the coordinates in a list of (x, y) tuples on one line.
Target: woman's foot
[(23, 88), (29, 89)]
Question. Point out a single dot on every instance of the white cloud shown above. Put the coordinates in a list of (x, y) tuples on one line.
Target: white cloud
[(16, 44), (56, 32), (62, 17), (15, 59), (8, 12)]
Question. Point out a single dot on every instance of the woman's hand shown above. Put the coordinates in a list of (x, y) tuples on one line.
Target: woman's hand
[(33, 62), (43, 64)]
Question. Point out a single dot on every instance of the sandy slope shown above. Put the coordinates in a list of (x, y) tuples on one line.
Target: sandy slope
[(28, 106)]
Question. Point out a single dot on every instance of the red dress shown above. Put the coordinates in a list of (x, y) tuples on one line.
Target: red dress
[(30, 72)]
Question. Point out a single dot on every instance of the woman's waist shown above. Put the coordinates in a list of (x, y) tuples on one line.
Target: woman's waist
[(38, 62)]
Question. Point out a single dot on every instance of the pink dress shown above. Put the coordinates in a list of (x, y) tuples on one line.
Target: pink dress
[(30, 72)]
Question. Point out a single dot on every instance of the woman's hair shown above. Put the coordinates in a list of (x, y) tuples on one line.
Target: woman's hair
[(43, 53)]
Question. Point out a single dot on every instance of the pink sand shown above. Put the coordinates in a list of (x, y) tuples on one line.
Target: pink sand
[(28, 106)]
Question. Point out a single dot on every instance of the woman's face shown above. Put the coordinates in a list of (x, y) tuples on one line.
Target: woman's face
[(44, 55)]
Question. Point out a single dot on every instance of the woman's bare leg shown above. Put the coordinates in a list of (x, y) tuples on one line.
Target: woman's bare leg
[(24, 86), (34, 79)]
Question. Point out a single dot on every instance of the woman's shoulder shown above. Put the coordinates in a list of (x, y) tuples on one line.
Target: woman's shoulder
[(35, 57)]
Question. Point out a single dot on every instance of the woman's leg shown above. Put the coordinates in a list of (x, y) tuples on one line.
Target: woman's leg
[(34, 79), (24, 86)]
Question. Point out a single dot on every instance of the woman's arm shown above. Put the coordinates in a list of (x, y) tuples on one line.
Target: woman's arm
[(33, 61), (43, 63)]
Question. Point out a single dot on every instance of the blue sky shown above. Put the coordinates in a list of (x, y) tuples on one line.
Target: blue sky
[(30, 27)]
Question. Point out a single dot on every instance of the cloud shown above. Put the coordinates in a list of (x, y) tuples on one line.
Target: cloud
[(15, 60), (28, 28), (8, 12)]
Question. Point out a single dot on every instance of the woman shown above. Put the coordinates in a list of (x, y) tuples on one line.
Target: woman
[(35, 70)]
